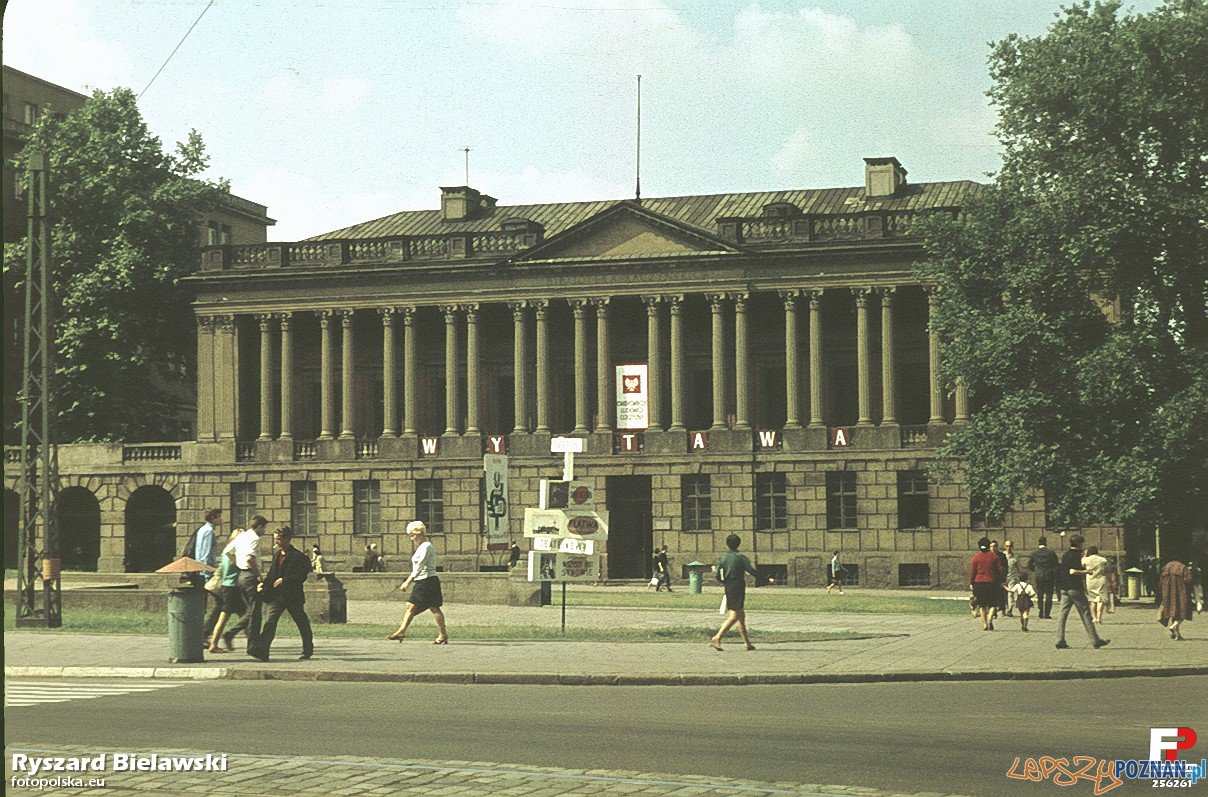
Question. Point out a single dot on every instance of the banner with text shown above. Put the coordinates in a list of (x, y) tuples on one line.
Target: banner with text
[(633, 396)]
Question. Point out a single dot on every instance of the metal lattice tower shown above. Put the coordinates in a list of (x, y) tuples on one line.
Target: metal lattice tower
[(38, 457)]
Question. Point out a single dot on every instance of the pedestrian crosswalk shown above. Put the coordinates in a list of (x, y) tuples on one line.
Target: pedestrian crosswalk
[(32, 693)]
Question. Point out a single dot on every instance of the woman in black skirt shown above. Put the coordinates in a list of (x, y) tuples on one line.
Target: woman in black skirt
[(425, 586)]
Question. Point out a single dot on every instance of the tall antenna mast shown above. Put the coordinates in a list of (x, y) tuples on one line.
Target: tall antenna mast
[(467, 151), (638, 188)]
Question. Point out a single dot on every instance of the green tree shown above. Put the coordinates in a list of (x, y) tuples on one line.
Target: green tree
[(126, 218), (1072, 297)]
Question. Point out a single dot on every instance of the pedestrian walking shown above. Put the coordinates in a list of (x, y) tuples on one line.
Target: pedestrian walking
[(1001, 606), (662, 569), (281, 591), (1024, 596), (204, 549), (986, 574), (1012, 573), (835, 573), (246, 553), (1097, 594), (230, 599), (731, 572), (513, 555), (1072, 585), (1043, 563), (425, 586), (1174, 586)]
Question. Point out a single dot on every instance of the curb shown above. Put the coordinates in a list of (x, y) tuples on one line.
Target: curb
[(594, 679)]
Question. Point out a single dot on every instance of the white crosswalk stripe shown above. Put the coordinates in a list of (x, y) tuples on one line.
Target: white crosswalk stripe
[(32, 693)]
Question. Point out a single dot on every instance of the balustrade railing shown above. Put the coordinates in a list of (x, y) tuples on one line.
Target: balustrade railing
[(366, 448), (245, 451), (914, 436), (150, 452), (304, 449)]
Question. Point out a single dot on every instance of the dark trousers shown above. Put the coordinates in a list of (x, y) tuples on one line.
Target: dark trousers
[(1074, 599), (297, 612), (250, 621), (1044, 595)]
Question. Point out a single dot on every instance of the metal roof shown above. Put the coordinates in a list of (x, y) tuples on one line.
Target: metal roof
[(700, 211)]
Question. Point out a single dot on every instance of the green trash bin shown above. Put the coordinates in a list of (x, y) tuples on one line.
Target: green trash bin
[(186, 624), (696, 571)]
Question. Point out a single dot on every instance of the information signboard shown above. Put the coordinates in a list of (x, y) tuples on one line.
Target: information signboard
[(584, 524), (633, 396), (495, 498), (545, 542), (553, 566)]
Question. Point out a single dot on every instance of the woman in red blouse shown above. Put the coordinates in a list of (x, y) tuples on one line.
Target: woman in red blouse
[(986, 575)]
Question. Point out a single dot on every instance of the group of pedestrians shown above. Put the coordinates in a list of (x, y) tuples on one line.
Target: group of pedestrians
[(245, 589)]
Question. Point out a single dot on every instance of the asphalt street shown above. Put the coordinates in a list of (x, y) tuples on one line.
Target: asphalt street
[(941, 737)]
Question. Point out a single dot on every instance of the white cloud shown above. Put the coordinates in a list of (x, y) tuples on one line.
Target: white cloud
[(58, 41)]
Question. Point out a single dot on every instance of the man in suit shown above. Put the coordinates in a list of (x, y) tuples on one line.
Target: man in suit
[(1043, 564), (282, 592)]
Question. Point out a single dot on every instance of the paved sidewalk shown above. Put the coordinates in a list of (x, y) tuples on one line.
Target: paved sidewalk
[(906, 647)]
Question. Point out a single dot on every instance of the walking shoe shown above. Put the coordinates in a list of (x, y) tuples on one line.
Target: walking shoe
[(305, 656), (1100, 643), (1062, 645)]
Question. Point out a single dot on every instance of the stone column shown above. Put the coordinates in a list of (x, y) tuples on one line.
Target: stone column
[(471, 368), (962, 402), (287, 375), (719, 360), (451, 407), (676, 308), (266, 376), (519, 363), (792, 393), (226, 376), (543, 364), (937, 392), (815, 297), (863, 359), (409, 369), (347, 357), (654, 362), (205, 378), (582, 411), (604, 395), (327, 392), (741, 366), (389, 358), (888, 377)]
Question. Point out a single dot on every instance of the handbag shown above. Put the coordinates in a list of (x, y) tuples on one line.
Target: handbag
[(654, 581), (214, 583), (722, 608)]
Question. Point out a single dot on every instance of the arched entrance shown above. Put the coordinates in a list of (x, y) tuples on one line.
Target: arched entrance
[(12, 524), (150, 529), (79, 520)]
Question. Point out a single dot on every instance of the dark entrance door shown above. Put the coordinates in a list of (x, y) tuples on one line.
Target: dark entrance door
[(630, 526), (79, 518), (150, 529)]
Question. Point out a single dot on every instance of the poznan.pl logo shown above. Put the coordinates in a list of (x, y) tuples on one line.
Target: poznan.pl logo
[(1165, 743)]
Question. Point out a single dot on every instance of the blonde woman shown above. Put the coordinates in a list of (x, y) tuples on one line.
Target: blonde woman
[(230, 599), (425, 586)]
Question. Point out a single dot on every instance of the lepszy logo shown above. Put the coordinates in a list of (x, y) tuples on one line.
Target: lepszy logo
[(1164, 743), (1163, 767)]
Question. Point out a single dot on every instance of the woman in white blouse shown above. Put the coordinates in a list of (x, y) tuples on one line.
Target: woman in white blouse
[(425, 586)]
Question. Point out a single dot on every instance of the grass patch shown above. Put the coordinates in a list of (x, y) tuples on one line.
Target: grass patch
[(772, 600), (115, 622)]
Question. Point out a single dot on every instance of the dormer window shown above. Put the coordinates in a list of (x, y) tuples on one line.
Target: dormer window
[(520, 225), (780, 210)]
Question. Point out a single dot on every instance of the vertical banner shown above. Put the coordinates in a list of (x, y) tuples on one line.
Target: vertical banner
[(495, 497), (633, 396)]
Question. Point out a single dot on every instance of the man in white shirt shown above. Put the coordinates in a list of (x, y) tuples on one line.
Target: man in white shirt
[(245, 549)]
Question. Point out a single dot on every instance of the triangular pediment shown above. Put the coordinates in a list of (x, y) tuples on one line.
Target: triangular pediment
[(627, 231)]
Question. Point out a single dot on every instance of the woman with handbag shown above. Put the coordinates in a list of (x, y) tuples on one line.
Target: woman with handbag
[(731, 572)]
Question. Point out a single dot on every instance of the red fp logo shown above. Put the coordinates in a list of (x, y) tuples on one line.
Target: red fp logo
[(1164, 743), (631, 383)]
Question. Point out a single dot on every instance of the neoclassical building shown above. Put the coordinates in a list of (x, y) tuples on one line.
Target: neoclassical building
[(353, 381)]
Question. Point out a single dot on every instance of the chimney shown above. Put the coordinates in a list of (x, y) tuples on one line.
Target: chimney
[(462, 202), (883, 178)]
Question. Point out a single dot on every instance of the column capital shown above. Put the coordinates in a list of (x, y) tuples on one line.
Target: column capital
[(325, 317), (346, 318), (285, 317), (652, 304), (716, 300), (815, 296), (579, 307), (518, 307), (408, 314), (790, 297), (886, 292), (207, 322), (264, 319), (861, 295), (933, 292), (389, 315), (225, 322), (599, 302), (740, 301), (471, 310), (675, 302), (540, 308), (450, 312)]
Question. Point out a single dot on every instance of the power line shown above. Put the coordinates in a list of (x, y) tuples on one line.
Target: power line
[(182, 41)]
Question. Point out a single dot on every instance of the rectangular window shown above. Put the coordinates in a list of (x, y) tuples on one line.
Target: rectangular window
[(243, 503), (304, 508), (841, 500), (212, 234), (696, 501), (366, 507), (224, 234), (430, 504), (914, 575), (771, 504), (914, 495), (32, 113)]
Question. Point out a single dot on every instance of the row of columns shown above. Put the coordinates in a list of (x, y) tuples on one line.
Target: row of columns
[(867, 299)]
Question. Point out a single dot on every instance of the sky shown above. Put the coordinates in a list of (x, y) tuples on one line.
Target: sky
[(340, 111)]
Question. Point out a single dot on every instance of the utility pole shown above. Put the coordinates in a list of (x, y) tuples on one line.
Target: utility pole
[(38, 459)]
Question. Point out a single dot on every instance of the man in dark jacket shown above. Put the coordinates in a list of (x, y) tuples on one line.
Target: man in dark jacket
[(282, 592), (1071, 582), (1043, 564)]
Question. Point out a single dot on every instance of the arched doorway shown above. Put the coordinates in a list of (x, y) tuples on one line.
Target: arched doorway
[(150, 529), (12, 524), (79, 520)]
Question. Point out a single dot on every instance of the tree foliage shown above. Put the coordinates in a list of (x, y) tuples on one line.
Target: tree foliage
[(1072, 297), (126, 217)]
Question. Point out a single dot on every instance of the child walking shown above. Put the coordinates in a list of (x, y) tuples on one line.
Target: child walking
[(1025, 597)]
